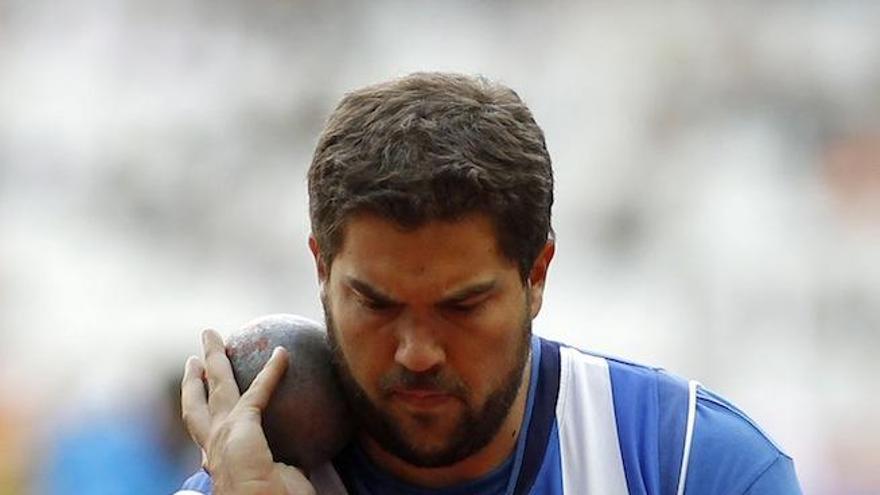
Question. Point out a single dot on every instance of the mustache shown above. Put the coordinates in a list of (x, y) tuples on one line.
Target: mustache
[(435, 381)]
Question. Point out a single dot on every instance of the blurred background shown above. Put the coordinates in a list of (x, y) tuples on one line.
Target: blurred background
[(718, 202)]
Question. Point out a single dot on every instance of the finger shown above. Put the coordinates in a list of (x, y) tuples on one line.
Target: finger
[(295, 480), (222, 389), (193, 403), (258, 394)]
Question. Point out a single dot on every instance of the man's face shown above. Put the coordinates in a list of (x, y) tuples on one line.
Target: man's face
[(430, 330)]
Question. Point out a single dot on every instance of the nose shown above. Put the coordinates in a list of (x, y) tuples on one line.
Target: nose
[(418, 347)]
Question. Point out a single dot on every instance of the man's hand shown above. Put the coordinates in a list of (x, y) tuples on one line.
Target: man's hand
[(227, 425)]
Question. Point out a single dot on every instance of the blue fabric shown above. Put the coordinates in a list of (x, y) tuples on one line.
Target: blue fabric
[(520, 453), (650, 407), (779, 478), (549, 478), (368, 479), (672, 402), (542, 420), (636, 409), (730, 454), (199, 482)]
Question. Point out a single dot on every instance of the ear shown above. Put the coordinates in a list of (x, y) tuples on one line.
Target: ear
[(538, 276), (319, 260)]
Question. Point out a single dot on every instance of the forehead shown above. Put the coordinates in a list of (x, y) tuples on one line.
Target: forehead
[(443, 252)]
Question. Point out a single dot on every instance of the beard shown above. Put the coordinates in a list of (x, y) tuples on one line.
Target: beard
[(475, 428)]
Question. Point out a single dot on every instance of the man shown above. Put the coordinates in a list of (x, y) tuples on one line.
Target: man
[(430, 202)]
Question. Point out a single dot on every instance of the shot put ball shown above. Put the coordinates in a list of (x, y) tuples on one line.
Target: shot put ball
[(307, 420)]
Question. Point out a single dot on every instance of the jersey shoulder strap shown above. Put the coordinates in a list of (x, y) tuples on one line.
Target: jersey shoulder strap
[(653, 413)]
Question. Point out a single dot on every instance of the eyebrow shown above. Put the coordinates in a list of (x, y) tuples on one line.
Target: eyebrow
[(366, 290), (455, 297)]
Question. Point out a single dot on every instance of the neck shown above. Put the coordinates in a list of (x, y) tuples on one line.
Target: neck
[(473, 467)]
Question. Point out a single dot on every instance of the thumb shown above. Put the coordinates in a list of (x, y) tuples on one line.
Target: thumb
[(293, 480)]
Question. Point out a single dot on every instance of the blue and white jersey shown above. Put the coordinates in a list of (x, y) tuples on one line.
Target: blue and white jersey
[(600, 426)]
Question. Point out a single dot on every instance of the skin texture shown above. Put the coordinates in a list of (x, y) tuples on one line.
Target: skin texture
[(442, 304)]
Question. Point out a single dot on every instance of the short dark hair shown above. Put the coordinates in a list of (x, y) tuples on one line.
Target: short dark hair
[(434, 146)]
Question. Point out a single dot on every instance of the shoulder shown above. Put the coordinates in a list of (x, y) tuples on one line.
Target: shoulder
[(629, 385), (580, 360), (629, 414), (651, 409), (731, 452)]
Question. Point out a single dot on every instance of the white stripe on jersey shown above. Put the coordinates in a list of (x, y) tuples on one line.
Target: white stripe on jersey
[(590, 450), (688, 435)]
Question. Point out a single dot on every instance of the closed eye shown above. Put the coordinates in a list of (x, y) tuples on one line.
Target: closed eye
[(465, 306), (375, 304), (462, 308)]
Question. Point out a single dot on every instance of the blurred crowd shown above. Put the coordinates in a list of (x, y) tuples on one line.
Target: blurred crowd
[(717, 212)]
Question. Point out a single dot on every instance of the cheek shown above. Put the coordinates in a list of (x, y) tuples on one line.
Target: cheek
[(361, 341), (498, 328), (487, 353)]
